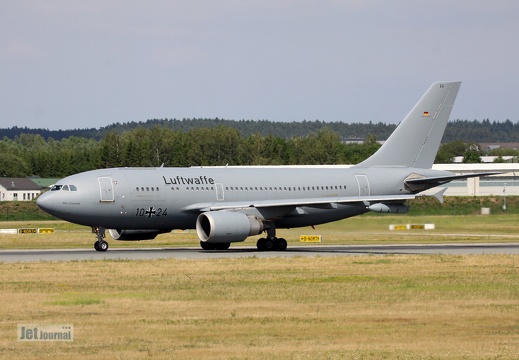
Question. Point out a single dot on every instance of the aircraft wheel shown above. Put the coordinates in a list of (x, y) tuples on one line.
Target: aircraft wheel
[(269, 244), (281, 244), (96, 246), (102, 246), (261, 244)]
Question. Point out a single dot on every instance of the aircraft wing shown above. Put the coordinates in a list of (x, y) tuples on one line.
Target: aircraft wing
[(215, 206), (440, 180)]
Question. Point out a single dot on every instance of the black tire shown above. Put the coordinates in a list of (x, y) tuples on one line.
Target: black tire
[(270, 245), (261, 244), (103, 246), (281, 244), (96, 246)]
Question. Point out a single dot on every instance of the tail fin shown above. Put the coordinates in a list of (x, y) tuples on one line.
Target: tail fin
[(416, 140)]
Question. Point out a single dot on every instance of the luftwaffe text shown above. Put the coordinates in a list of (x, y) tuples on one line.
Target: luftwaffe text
[(180, 180)]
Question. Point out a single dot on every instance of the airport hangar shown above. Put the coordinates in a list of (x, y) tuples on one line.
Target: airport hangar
[(506, 183)]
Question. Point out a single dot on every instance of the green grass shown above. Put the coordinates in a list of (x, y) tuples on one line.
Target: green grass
[(369, 228), (22, 211), (359, 230)]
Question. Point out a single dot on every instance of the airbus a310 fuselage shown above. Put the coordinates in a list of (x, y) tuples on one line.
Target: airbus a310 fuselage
[(228, 204)]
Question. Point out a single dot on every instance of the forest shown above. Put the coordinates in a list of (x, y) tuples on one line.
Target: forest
[(30, 153), (467, 131)]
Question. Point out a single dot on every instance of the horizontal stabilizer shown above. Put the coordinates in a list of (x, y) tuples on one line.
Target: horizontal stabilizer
[(433, 181)]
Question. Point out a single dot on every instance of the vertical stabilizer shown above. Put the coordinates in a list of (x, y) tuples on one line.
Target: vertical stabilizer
[(415, 142)]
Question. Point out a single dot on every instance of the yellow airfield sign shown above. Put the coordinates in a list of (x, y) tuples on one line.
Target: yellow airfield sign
[(311, 238)]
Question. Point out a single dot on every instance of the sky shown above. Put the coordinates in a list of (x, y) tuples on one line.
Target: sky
[(91, 63)]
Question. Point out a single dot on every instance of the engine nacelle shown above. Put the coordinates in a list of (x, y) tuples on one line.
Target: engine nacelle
[(133, 235), (226, 226), (389, 208)]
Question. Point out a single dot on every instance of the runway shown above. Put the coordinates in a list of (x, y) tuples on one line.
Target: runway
[(192, 253)]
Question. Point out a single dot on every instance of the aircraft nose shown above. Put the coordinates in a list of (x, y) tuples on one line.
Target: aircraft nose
[(45, 202)]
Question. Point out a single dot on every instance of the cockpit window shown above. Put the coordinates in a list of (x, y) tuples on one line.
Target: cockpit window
[(64, 188)]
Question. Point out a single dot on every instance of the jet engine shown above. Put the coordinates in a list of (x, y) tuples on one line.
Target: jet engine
[(227, 226), (133, 235)]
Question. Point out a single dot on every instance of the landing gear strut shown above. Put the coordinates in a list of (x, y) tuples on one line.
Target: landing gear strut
[(271, 242), (100, 244)]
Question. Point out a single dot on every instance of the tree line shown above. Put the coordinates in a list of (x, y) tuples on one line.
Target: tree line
[(457, 130), (32, 154)]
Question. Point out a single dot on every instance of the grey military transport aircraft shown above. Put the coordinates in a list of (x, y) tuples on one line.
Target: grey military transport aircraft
[(228, 204)]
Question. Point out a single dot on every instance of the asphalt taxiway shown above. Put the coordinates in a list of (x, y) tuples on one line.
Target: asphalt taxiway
[(190, 253)]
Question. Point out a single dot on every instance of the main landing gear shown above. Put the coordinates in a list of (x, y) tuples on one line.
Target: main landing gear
[(271, 242), (100, 244)]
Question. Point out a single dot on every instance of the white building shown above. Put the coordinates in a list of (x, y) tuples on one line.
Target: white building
[(18, 189), (505, 183)]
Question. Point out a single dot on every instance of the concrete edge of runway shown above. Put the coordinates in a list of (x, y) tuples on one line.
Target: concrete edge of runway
[(187, 253)]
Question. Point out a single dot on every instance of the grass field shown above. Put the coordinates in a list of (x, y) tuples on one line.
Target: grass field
[(365, 307), (363, 229), (382, 307)]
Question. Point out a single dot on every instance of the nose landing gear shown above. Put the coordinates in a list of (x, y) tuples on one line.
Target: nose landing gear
[(100, 244)]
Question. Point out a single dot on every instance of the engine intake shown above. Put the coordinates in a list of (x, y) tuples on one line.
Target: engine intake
[(227, 226)]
